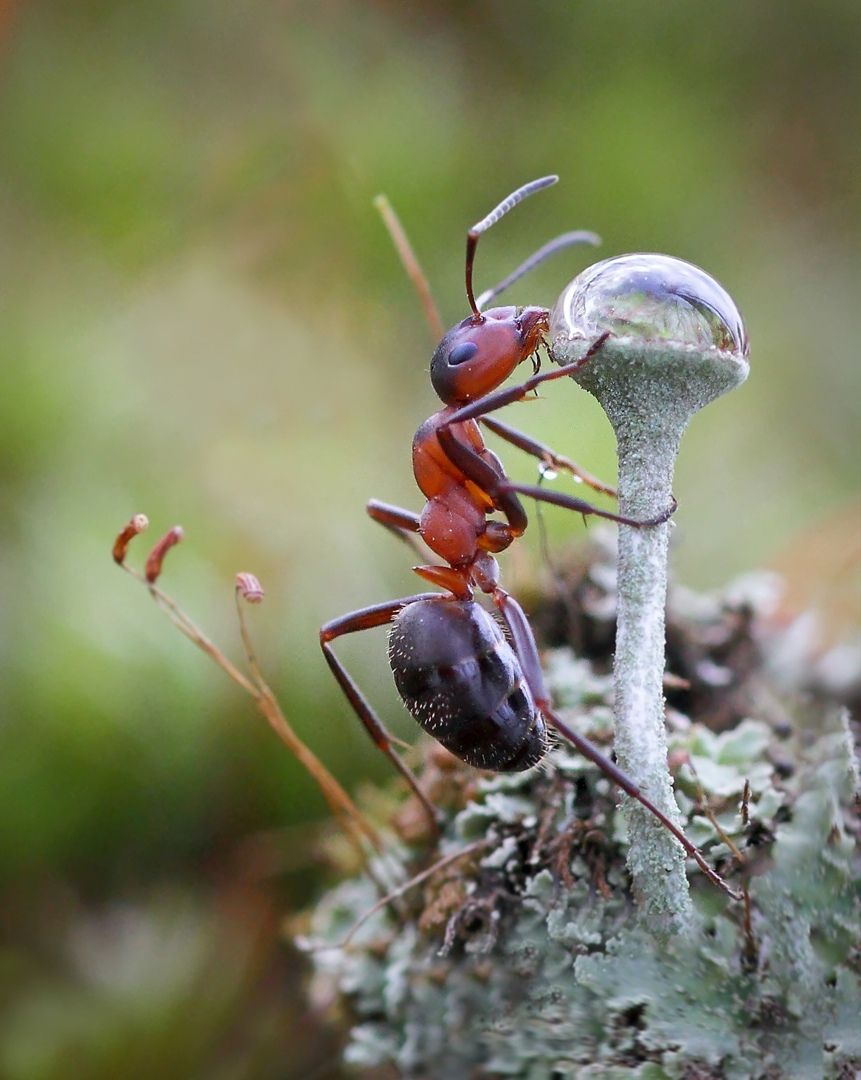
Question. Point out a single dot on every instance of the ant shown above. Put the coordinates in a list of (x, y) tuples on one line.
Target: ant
[(478, 692)]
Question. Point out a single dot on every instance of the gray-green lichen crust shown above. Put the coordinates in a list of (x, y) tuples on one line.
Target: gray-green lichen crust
[(527, 960)]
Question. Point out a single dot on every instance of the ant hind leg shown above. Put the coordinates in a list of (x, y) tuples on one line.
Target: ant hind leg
[(527, 653), (366, 619)]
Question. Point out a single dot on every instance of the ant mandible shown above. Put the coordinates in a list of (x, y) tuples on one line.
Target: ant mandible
[(480, 695)]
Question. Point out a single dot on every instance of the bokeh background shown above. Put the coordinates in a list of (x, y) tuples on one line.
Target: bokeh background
[(202, 318)]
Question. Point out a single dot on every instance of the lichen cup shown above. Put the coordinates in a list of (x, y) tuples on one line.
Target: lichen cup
[(676, 342)]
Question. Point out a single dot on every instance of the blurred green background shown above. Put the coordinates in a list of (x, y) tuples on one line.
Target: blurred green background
[(201, 318)]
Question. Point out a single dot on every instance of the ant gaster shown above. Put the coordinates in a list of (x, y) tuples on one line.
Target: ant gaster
[(480, 693)]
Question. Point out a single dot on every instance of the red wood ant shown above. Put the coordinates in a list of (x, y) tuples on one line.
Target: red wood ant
[(480, 695)]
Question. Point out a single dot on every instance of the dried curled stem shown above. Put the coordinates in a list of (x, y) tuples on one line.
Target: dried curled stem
[(356, 826)]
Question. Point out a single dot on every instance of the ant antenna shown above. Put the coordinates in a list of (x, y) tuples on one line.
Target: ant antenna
[(472, 237), (536, 258)]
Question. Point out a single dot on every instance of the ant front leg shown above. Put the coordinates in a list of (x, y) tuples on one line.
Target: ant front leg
[(527, 654), (499, 488), (498, 399), (366, 619)]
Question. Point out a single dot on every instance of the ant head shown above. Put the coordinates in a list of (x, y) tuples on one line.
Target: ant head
[(478, 354), (481, 352)]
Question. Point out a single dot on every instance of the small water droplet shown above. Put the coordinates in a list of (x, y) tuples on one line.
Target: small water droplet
[(546, 472)]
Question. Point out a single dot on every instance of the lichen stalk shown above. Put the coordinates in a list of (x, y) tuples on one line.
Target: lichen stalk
[(649, 390), (655, 858), (673, 341), (649, 428)]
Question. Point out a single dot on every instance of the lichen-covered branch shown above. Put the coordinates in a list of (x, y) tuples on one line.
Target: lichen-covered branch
[(525, 959)]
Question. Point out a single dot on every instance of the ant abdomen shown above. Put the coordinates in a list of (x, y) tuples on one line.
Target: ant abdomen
[(461, 680)]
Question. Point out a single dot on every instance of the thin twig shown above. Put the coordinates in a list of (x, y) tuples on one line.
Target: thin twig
[(411, 264), (751, 951), (440, 864), (709, 813), (745, 803), (193, 632), (337, 798), (348, 814)]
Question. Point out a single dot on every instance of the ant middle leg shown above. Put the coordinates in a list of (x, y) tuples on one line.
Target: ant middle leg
[(527, 653), (403, 524), (499, 488), (570, 502), (484, 476), (393, 517), (366, 619), (546, 454), (504, 493)]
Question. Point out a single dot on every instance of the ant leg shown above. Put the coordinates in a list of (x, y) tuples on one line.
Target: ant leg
[(485, 477), (366, 619), (402, 523), (500, 489), (393, 517), (504, 493), (569, 502), (546, 454), (527, 654), (497, 399)]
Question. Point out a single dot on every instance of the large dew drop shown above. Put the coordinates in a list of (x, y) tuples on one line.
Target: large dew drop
[(654, 298)]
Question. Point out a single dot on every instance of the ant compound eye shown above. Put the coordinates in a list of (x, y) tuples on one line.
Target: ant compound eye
[(461, 353)]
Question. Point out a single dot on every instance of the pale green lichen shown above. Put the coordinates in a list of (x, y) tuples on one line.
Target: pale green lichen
[(535, 966)]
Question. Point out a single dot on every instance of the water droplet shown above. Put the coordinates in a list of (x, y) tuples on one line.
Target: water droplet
[(654, 297), (546, 472)]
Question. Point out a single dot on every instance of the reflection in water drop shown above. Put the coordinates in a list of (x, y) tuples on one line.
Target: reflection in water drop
[(546, 472), (653, 297)]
